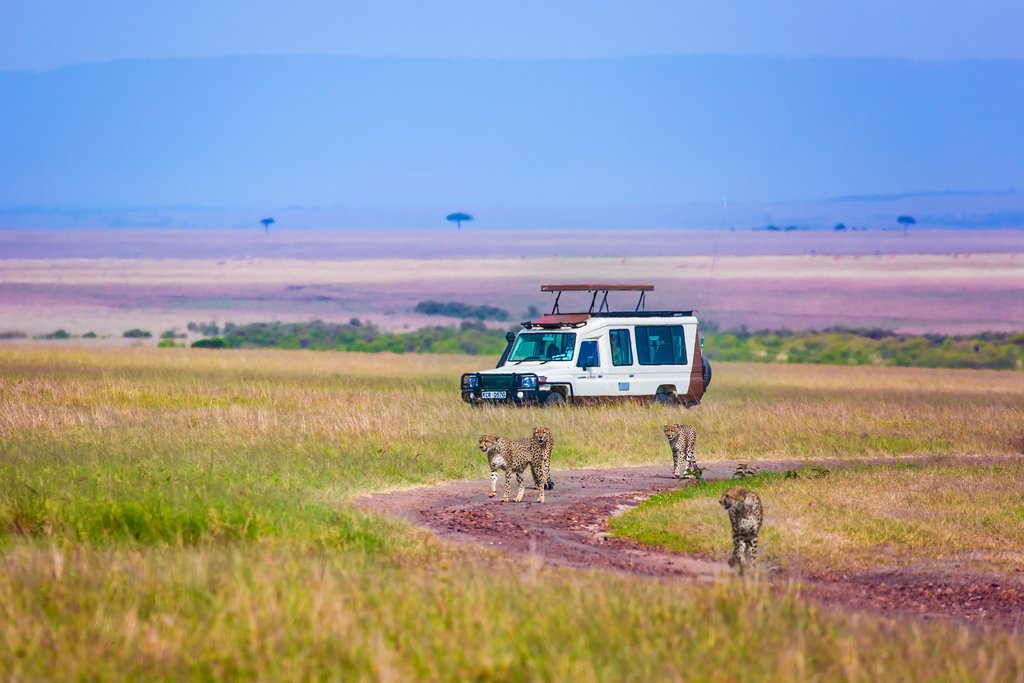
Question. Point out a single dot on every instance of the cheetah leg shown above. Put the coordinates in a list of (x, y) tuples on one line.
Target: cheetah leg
[(540, 479), (494, 484), (675, 463), (734, 558), (743, 555), (508, 486), (691, 460), (545, 478), (522, 486), (752, 550)]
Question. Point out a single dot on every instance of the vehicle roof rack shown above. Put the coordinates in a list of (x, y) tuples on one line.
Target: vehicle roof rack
[(598, 288)]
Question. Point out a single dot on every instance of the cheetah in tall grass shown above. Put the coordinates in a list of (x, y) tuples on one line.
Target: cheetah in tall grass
[(745, 514)]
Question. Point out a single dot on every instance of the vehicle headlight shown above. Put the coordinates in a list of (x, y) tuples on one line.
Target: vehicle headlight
[(528, 382)]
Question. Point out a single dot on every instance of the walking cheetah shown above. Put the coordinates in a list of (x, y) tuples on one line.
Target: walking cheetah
[(513, 456), (540, 459), (745, 514), (683, 440)]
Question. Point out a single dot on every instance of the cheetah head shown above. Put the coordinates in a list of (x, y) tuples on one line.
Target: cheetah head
[(542, 434), (671, 432), (488, 442), (732, 497)]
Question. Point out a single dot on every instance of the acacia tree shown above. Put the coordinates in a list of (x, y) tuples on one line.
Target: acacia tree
[(906, 222), (267, 222), (457, 218)]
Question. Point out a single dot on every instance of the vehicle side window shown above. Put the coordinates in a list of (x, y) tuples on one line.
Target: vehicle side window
[(660, 345), (622, 347), (589, 356)]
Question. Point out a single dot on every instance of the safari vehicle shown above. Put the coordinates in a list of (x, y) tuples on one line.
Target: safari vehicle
[(598, 355)]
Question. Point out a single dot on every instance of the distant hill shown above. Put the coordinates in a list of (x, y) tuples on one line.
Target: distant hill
[(653, 141)]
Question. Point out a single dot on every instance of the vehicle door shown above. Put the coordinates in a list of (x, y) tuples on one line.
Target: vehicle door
[(621, 373), (589, 378)]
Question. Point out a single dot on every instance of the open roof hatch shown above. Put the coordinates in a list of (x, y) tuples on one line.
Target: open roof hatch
[(598, 309), (596, 289)]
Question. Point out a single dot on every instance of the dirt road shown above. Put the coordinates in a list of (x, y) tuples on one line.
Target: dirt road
[(571, 530)]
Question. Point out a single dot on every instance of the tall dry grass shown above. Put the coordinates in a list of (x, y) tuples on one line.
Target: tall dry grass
[(238, 612)]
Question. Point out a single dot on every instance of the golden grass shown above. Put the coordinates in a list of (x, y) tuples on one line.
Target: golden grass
[(230, 613), (182, 513)]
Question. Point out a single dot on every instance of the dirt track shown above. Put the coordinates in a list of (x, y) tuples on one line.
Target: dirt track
[(570, 530)]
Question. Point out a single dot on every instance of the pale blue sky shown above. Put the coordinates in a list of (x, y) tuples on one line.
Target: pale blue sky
[(39, 34), (492, 108)]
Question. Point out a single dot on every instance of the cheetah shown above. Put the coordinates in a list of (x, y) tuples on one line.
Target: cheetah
[(540, 459), (745, 514), (683, 440), (513, 456)]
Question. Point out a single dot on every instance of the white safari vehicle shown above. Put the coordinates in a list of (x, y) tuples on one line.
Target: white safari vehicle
[(598, 355)]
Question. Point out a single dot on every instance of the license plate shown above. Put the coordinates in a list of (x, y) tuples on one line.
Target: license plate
[(493, 394)]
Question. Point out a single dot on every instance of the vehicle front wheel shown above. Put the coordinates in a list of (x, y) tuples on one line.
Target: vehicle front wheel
[(554, 400)]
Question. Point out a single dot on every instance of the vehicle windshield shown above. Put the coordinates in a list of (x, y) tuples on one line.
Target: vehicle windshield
[(543, 346)]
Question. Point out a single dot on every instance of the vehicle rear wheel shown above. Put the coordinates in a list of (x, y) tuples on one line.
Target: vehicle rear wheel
[(665, 398), (554, 400)]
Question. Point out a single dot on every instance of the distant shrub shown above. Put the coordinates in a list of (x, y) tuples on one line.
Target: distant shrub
[(842, 346), (209, 329), (454, 309), (471, 337), (171, 334), (208, 343), (836, 346), (136, 333), (166, 344), (57, 334), (89, 335), (12, 334)]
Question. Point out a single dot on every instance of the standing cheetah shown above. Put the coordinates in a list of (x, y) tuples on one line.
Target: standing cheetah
[(513, 457), (745, 514), (540, 459), (683, 440)]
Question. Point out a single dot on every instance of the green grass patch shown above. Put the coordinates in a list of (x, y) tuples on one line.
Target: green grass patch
[(652, 521), (894, 516)]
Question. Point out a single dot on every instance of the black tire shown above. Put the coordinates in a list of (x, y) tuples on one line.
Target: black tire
[(554, 400), (665, 398), (706, 367)]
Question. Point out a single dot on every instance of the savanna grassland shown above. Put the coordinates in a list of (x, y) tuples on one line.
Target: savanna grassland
[(178, 513)]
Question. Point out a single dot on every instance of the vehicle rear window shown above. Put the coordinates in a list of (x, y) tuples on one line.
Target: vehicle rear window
[(660, 345), (622, 347)]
